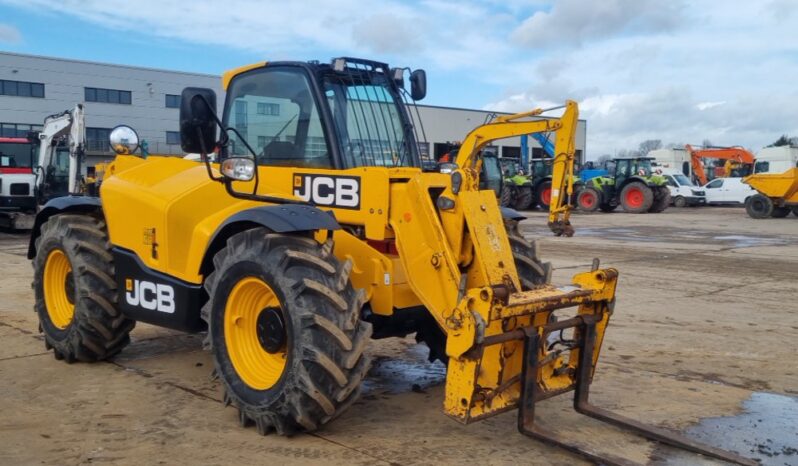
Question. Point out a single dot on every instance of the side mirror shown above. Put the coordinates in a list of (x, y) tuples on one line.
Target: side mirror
[(197, 123), (123, 140), (418, 84)]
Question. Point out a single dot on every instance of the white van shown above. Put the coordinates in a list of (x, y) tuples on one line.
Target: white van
[(683, 191), (728, 191), (776, 159)]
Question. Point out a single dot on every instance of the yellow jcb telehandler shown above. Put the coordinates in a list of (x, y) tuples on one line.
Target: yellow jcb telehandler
[(317, 229)]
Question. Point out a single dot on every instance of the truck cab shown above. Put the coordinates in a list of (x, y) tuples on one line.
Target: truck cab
[(776, 159)]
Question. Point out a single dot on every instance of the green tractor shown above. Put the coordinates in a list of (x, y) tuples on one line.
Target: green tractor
[(540, 176), (517, 191), (633, 185)]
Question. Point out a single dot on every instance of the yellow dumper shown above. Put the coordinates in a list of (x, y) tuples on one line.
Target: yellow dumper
[(777, 194)]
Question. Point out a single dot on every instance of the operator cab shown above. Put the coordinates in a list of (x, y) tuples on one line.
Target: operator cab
[(345, 114)]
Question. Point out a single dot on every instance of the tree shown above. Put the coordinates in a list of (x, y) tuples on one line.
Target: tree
[(784, 140), (706, 143), (603, 159), (648, 145)]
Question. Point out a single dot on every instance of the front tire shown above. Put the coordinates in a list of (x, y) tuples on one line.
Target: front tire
[(75, 290), (532, 272), (523, 199), (679, 201), (759, 206), (588, 199), (507, 196), (285, 330), (662, 199)]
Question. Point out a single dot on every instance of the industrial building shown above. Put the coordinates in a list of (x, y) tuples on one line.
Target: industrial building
[(32, 87)]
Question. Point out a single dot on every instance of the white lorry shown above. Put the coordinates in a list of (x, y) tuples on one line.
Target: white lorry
[(776, 159)]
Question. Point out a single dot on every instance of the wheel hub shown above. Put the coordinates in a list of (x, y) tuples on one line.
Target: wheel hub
[(271, 329)]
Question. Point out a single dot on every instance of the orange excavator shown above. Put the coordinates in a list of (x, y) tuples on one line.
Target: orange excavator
[(737, 159)]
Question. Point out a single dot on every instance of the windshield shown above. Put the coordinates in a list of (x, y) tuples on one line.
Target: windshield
[(683, 180), (368, 122), (16, 155), (643, 167), (274, 112)]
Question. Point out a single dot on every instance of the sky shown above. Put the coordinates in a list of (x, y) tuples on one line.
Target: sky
[(678, 71)]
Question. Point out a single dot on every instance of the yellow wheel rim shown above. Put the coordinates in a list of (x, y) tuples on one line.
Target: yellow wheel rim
[(57, 278), (257, 368)]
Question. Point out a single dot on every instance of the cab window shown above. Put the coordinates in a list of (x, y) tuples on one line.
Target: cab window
[(715, 184), (274, 112)]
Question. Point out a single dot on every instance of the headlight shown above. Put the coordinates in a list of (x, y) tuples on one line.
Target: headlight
[(238, 168)]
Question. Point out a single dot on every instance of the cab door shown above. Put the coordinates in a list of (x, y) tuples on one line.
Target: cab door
[(715, 191)]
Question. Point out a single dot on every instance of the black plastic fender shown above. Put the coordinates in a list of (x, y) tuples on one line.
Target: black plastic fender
[(280, 218), (60, 205)]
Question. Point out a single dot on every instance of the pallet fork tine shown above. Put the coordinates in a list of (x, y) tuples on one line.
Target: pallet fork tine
[(530, 392)]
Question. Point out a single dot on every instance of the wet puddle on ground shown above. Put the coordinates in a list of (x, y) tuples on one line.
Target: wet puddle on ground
[(766, 430), (743, 241), (410, 372)]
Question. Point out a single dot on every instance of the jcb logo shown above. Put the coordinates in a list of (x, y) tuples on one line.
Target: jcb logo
[(150, 296), (328, 190)]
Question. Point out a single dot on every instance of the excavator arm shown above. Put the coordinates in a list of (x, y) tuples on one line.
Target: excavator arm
[(564, 150), (737, 154), (69, 124)]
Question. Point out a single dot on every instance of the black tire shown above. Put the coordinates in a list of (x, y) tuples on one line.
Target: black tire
[(523, 198), (538, 200), (588, 199), (607, 207), (679, 201), (532, 272), (507, 196), (96, 330), (795, 211), (662, 199), (324, 336), (780, 212), (645, 202), (759, 206)]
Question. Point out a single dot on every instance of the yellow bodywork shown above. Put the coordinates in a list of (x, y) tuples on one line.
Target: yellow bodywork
[(783, 186)]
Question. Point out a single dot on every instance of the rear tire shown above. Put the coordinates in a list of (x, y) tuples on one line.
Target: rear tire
[(795, 211), (636, 198), (780, 212), (543, 195), (759, 206), (679, 201), (75, 290), (321, 337), (662, 199), (523, 199), (588, 199)]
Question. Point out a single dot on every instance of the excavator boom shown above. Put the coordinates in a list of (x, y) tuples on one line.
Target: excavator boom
[(564, 148), (737, 154)]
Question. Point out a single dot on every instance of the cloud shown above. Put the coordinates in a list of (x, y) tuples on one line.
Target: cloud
[(707, 105), (573, 22), (9, 34), (640, 69)]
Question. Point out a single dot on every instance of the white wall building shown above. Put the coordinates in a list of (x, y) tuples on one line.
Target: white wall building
[(32, 87)]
